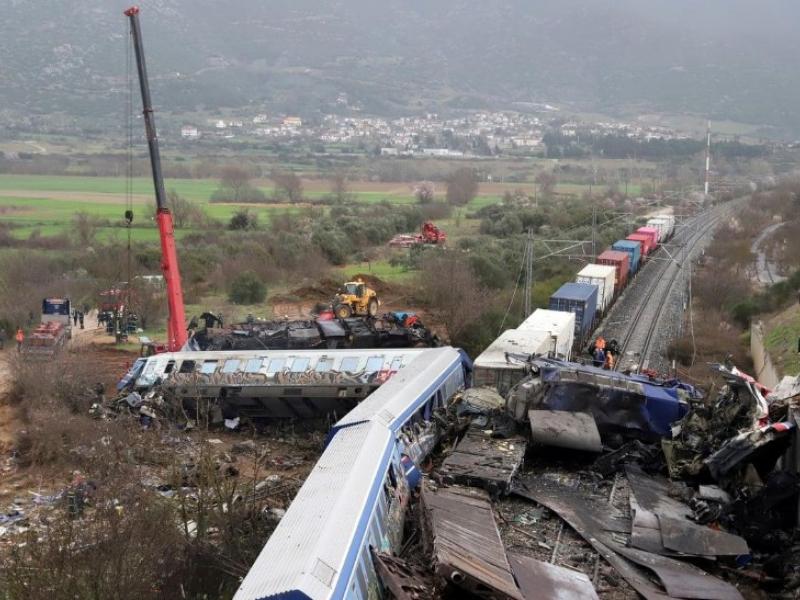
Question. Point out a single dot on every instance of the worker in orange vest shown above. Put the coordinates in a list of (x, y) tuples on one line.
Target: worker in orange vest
[(20, 337)]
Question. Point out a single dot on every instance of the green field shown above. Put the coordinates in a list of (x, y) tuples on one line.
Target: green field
[(48, 204)]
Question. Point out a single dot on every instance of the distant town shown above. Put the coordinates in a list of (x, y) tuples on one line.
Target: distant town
[(471, 135)]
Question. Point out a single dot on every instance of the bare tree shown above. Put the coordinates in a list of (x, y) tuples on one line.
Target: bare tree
[(449, 286), (85, 228), (340, 188), (288, 185), (424, 192), (462, 186), (235, 180), (184, 213), (547, 183)]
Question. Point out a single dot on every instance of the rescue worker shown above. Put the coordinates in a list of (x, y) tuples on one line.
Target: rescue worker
[(600, 343), (599, 357), (20, 337), (610, 361)]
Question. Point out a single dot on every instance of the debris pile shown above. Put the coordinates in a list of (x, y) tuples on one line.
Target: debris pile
[(586, 484), (390, 330)]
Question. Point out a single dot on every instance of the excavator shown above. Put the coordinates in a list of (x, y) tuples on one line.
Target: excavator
[(176, 322)]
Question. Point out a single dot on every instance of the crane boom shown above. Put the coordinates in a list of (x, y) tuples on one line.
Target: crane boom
[(176, 324)]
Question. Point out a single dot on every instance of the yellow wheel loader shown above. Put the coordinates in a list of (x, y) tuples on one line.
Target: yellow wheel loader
[(355, 298)]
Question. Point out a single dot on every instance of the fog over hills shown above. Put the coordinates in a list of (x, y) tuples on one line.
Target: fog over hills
[(725, 59)]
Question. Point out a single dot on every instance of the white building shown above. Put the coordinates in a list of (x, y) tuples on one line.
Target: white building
[(189, 132)]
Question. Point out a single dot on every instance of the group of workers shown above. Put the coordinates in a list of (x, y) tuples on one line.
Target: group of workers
[(604, 355)]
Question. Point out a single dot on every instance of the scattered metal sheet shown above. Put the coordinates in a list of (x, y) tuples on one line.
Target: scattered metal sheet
[(542, 581), (645, 530), (404, 581), (580, 519), (483, 460), (680, 580), (564, 429), (677, 532), (688, 538), (466, 545)]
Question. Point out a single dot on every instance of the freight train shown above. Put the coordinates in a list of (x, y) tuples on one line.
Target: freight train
[(598, 284)]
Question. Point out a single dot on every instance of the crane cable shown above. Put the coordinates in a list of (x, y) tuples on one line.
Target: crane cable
[(129, 159)]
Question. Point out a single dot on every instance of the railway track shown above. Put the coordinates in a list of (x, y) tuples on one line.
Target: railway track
[(635, 320)]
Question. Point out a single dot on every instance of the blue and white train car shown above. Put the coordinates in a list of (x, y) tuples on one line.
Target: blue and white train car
[(356, 495), (422, 386), (353, 499)]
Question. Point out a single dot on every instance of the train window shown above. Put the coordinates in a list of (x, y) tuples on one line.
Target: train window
[(299, 365), (187, 366), (231, 366), (374, 364), (253, 365), (426, 414), (169, 367), (392, 477), (397, 362), (349, 364), (275, 365), (362, 580), (324, 365), (208, 367)]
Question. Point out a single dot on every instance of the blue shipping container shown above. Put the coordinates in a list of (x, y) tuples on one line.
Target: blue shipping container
[(581, 299), (631, 247)]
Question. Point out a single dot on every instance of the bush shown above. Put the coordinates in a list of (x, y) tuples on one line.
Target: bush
[(247, 288), (243, 220)]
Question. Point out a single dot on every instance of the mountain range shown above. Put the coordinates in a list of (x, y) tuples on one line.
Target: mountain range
[(718, 59)]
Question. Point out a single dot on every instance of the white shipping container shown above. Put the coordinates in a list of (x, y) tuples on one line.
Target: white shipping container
[(603, 277), (663, 225), (492, 368), (559, 327)]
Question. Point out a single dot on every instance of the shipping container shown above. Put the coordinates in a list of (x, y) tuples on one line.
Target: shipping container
[(652, 232), (667, 223), (581, 299), (646, 240), (559, 326), (662, 226), (603, 277), (493, 369), (634, 250), (621, 261)]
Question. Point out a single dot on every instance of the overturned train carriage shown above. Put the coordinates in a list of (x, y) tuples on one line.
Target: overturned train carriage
[(269, 383), (356, 496)]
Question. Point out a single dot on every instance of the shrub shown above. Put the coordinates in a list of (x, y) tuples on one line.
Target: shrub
[(247, 288)]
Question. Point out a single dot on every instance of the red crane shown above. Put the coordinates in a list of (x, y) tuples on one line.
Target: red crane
[(176, 323)]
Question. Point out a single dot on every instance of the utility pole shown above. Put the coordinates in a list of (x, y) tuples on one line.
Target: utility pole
[(594, 231), (708, 156), (529, 260)]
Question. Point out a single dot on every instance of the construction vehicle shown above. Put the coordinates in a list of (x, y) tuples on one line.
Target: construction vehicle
[(176, 322), (356, 298), (429, 234), (54, 329)]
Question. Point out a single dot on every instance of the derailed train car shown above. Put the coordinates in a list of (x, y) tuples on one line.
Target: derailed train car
[(269, 383), (632, 406), (356, 496)]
